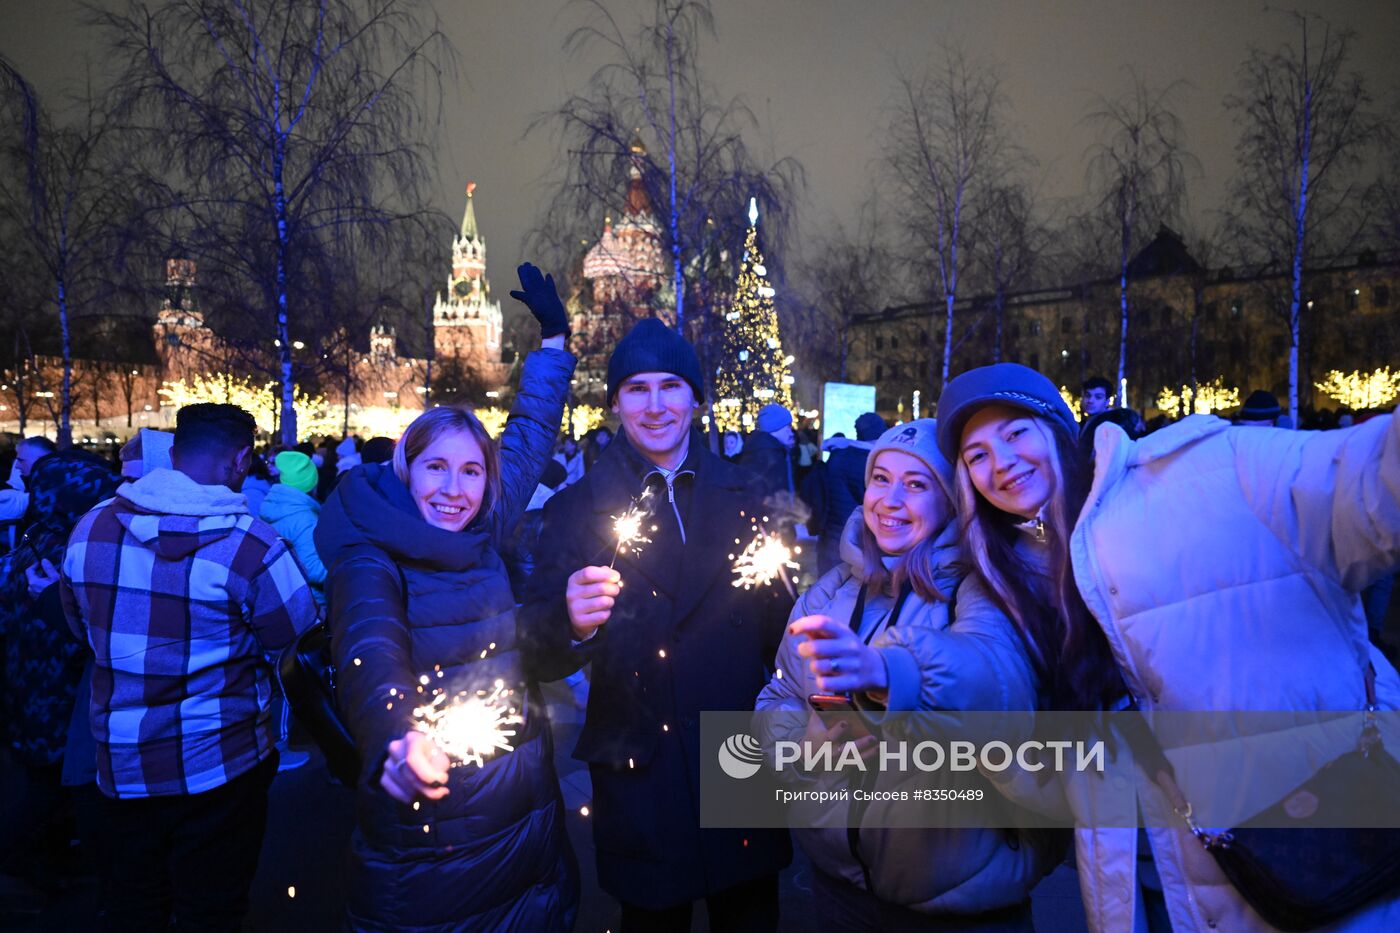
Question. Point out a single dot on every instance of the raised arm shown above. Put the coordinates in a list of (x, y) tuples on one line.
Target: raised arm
[(1334, 496), (528, 438)]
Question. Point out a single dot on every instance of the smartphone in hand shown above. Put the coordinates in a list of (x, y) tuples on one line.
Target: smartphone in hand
[(831, 703), (839, 708)]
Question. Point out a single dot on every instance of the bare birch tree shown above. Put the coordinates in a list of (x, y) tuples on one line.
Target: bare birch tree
[(1306, 128), (281, 127), (850, 273), (1007, 247), (697, 167), (946, 137), (1137, 175), (65, 192)]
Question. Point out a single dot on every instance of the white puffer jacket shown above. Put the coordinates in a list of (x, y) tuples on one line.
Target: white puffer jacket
[(1223, 563)]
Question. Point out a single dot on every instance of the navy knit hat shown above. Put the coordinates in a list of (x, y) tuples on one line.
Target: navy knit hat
[(772, 417), (1260, 406), (1001, 384), (869, 426), (652, 347)]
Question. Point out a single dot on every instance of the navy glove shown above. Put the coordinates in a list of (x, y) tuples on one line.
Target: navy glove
[(538, 294)]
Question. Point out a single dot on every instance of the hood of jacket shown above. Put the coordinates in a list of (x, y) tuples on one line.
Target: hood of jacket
[(283, 501), (370, 506), (173, 515)]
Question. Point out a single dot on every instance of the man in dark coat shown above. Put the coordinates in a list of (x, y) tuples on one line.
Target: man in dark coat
[(844, 485), (768, 451), (668, 635)]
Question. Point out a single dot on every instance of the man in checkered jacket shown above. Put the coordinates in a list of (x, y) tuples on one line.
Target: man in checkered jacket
[(182, 595)]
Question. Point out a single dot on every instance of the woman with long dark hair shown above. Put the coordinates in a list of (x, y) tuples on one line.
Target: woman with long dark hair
[(1200, 568)]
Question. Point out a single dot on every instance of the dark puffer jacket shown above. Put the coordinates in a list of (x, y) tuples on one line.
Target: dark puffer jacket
[(409, 600), (42, 661), (766, 457), (845, 491)]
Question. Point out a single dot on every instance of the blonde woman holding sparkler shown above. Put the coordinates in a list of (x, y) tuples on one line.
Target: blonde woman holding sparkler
[(423, 628), (881, 628)]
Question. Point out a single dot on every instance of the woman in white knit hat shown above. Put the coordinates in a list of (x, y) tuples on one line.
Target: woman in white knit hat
[(877, 627)]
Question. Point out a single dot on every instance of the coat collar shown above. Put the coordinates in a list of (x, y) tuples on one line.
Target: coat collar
[(719, 488)]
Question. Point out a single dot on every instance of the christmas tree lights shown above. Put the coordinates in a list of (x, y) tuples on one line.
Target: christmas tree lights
[(753, 371), (1072, 401)]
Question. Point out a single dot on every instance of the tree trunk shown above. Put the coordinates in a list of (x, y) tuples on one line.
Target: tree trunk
[(128, 390), (677, 279), (1300, 222), (1121, 391), (950, 289), (289, 415), (1191, 350), (65, 403), (845, 344), (999, 307)]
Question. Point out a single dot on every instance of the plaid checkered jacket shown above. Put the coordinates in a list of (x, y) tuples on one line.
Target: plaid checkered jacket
[(181, 594)]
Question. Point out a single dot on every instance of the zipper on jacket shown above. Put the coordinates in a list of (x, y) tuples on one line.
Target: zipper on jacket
[(671, 498), (671, 494)]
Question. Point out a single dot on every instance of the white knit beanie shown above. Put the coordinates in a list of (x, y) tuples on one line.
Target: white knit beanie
[(917, 438)]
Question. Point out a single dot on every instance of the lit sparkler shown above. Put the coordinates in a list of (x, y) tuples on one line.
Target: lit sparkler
[(473, 729), (630, 529), (764, 559)]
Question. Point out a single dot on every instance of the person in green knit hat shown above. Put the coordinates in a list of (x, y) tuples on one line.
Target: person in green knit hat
[(291, 508)]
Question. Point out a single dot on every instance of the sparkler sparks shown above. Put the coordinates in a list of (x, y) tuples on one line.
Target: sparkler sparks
[(763, 560), (473, 729), (629, 528)]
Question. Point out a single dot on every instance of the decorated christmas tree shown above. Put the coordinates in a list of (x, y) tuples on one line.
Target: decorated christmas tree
[(753, 369)]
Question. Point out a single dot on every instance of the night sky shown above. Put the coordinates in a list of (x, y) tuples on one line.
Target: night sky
[(817, 73)]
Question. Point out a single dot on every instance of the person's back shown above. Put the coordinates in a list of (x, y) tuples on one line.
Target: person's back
[(290, 508), (160, 577), (181, 595), (845, 487), (768, 451), (844, 484)]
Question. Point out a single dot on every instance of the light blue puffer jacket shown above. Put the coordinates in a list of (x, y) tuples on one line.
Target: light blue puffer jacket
[(973, 661), (294, 514)]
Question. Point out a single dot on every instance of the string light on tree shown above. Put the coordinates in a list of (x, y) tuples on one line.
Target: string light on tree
[(753, 370), (1072, 401), (1360, 391), (584, 418), (263, 402), (1210, 397)]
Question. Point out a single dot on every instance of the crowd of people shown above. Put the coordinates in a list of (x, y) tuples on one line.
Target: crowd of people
[(1005, 556)]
